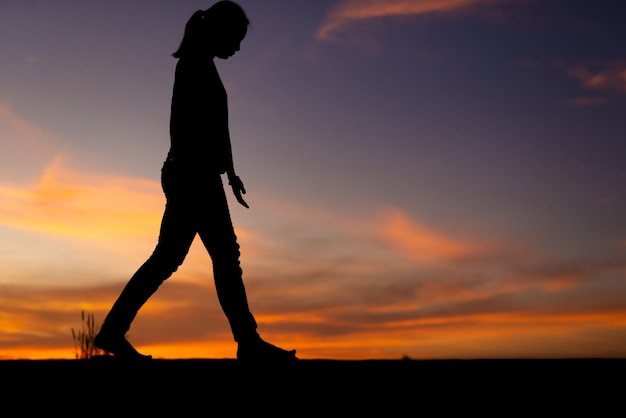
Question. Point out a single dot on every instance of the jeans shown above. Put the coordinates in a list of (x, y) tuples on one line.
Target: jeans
[(192, 207)]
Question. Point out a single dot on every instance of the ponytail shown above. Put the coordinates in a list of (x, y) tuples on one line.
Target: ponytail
[(192, 35)]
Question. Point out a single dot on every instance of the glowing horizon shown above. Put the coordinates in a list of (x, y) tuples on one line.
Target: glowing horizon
[(425, 179)]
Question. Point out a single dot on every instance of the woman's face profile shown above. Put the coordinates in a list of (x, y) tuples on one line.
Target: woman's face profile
[(229, 42)]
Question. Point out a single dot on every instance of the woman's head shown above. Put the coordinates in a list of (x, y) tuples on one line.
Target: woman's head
[(217, 30)]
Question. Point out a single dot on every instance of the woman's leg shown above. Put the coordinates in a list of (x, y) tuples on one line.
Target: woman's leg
[(175, 237), (218, 236)]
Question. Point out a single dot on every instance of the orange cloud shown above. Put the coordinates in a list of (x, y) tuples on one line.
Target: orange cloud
[(71, 203), (345, 314), (331, 286), (609, 77), (347, 12), (421, 243), (183, 320)]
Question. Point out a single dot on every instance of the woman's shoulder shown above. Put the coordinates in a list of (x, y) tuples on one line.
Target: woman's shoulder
[(193, 67), (195, 61), (197, 77)]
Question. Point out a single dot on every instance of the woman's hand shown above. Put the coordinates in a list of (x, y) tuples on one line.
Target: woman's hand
[(238, 189)]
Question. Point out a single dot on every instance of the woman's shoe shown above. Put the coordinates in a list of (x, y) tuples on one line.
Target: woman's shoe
[(119, 347), (258, 350)]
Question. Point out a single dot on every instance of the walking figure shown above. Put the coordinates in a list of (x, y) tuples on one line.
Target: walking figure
[(191, 177)]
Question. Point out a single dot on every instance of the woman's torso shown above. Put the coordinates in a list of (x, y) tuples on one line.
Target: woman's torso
[(199, 139)]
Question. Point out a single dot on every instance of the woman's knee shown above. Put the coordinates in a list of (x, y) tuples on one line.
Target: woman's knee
[(165, 264)]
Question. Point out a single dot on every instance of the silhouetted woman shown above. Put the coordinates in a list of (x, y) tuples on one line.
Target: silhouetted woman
[(199, 154)]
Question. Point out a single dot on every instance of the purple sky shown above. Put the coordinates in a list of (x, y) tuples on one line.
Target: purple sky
[(405, 161)]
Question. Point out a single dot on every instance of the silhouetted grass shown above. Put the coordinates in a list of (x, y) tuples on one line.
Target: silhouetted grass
[(84, 347)]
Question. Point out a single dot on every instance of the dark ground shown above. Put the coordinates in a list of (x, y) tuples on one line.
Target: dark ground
[(388, 388)]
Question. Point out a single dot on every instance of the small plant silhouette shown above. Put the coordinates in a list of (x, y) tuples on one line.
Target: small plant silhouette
[(84, 347)]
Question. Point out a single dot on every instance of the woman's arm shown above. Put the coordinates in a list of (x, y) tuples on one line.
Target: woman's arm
[(238, 188), (233, 179)]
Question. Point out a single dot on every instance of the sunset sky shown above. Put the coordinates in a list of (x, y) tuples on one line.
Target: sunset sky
[(426, 178)]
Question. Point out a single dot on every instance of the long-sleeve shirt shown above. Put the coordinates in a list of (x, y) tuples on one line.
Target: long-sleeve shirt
[(200, 140)]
